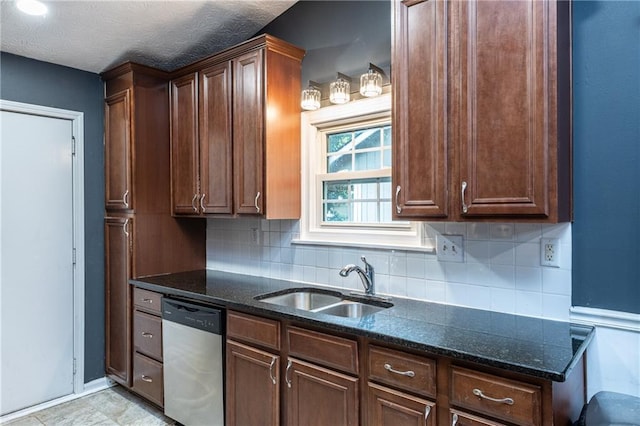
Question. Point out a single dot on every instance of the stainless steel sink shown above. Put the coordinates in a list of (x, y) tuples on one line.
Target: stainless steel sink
[(307, 300), (326, 302), (350, 309)]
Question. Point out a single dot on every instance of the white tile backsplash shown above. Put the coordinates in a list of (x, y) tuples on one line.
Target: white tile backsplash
[(501, 270)]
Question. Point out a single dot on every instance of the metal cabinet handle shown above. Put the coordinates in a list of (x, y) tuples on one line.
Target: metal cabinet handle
[(455, 420), (202, 203), (398, 206), (124, 198), (124, 227), (147, 300), (465, 208), (255, 202), (427, 411), (286, 374), (478, 392), (407, 373), (193, 203), (148, 335), (273, 363), (147, 379)]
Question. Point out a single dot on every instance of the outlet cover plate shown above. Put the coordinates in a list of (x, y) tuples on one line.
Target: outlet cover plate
[(449, 248), (550, 252)]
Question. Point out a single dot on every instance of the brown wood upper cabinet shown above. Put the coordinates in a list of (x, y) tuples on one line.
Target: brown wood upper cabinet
[(481, 111), (235, 132)]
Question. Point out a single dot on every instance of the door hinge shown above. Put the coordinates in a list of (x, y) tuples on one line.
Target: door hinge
[(74, 256), (73, 145), (75, 366)]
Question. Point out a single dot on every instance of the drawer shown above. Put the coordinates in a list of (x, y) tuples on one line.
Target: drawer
[(399, 369), (146, 300), (505, 399), (458, 418), (147, 378), (147, 334), (252, 329), (323, 349)]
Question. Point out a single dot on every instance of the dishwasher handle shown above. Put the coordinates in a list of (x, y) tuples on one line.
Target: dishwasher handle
[(201, 317)]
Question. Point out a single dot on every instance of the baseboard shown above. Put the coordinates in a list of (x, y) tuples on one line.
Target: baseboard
[(605, 318), (89, 388)]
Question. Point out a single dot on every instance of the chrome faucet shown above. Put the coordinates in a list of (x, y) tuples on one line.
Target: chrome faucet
[(367, 275)]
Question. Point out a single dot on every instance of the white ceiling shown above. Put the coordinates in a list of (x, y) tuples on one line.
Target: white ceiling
[(97, 35)]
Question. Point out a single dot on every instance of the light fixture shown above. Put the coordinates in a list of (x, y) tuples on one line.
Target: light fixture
[(32, 7), (310, 99), (371, 82), (340, 90)]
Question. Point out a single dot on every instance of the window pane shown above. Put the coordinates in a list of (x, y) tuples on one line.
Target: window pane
[(385, 211), (365, 212), (339, 163), (386, 136), (365, 191), (385, 189), (386, 158), (367, 160), (369, 138), (338, 141), (336, 191), (336, 212)]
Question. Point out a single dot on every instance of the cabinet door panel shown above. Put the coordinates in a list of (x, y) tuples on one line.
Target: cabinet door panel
[(118, 299), (392, 408), (252, 395), (420, 109), (216, 180), (118, 188), (248, 134), (318, 396), (505, 113), (184, 145)]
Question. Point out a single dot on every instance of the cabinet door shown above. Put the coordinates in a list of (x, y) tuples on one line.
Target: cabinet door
[(118, 188), (248, 133), (419, 79), (388, 407), (506, 116), (216, 179), (184, 145), (317, 396), (118, 298), (252, 382)]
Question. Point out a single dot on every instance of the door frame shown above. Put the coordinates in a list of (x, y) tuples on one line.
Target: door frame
[(77, 170)]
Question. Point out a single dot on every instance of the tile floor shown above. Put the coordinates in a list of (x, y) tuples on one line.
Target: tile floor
[(113, 406)]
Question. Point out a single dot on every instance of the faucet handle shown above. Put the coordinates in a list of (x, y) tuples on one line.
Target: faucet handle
[(366, 264)]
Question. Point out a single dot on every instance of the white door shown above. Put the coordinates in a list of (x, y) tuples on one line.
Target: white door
[(36, 260)]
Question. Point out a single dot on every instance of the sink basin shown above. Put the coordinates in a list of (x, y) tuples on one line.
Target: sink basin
[(350, 309), (323, 301), (307, 300)]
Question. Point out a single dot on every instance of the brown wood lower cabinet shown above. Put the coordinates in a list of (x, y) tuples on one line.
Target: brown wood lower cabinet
[(148, 378), (389, 407), (252, 382), (319, 396), (292, 375)]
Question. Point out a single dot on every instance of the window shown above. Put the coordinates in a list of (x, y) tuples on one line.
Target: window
[(346, 177)]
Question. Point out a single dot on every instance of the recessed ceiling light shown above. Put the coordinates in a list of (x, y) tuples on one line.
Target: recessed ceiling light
[(32, 7)]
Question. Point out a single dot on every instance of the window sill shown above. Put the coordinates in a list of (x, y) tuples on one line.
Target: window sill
[(421, 249)]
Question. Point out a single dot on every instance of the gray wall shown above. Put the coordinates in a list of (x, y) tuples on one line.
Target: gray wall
[(34, 82), (606, 133), (344, 36)]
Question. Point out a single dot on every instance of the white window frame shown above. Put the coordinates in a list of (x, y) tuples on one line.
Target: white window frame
[(314, 127)]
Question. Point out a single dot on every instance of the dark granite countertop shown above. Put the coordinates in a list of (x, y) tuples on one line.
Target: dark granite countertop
[(541, 348)]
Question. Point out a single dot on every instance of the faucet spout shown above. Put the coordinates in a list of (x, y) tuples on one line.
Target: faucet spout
[(366, 275)]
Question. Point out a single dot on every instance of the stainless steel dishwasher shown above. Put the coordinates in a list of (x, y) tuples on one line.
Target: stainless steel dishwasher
[(192, 344)]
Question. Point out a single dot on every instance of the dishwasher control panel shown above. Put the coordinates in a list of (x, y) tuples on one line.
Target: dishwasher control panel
[(202, 317)]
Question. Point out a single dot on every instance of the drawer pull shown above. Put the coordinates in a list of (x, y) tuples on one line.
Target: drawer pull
[(147, 300), (478, 392), (398, 206), (408, 373), (427, 411), (454, 421), (148, 335), (273, 362), (286, 374), (147, 379)]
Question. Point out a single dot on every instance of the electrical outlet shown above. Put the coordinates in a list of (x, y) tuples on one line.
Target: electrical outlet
[(449, 248), (550, 252)]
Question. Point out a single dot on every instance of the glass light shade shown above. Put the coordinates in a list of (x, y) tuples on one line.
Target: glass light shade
[(340, 91), (310, 99), (371, 83), (32, 7)]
